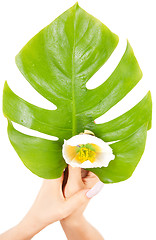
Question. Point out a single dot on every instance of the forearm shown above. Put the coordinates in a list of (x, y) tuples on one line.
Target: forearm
[(15, 233), (80, 229), (25, 230)]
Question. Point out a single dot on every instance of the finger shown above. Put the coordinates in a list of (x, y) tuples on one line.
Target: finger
[(90, 180), (95, 190), (92, 175), (84, 173), (75, 202), (74, 174)]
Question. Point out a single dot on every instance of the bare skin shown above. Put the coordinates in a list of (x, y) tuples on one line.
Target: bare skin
[(52, 204), (75, 225)]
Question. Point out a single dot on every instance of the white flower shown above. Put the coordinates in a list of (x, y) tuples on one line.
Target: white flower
[(87, 151)]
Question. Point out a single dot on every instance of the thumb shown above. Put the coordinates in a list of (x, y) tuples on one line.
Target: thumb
[(76, 201), (74, 175)]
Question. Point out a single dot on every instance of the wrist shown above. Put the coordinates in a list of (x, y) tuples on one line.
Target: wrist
[(28, 227), (18, 232)]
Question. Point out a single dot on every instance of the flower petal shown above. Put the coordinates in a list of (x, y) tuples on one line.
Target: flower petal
[(85, 138), (69, 152), (103, 151)]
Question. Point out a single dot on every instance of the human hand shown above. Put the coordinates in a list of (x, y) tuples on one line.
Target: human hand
[(78, 179), (75, 225), (50, 206)]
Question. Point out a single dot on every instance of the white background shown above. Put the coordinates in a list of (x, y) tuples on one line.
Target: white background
[(122, 211)]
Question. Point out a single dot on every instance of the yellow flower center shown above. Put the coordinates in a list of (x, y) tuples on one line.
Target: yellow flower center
[(85, 154)]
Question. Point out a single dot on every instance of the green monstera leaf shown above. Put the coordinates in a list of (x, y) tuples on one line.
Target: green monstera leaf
[(58, 62)]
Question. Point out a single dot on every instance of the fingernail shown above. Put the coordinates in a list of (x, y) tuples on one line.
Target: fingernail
[(95, 190)]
